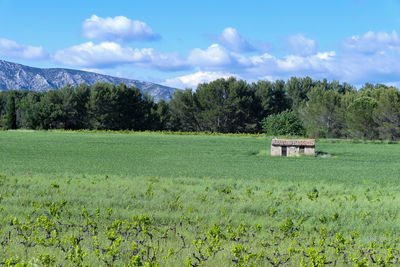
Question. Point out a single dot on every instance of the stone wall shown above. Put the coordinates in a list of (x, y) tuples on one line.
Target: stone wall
[(293, 151), (276, 150), (309, 151)]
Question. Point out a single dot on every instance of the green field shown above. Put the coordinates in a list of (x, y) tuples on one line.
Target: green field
[(76, 198)]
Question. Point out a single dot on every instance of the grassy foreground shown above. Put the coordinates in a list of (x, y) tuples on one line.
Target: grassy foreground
[(135, 199)]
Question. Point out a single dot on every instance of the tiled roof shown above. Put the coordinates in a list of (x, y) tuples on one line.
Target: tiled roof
[(293, 142)]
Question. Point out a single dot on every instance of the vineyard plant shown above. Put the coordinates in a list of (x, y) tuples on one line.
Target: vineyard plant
[(154, 199)]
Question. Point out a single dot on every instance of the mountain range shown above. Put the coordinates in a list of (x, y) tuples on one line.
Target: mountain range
[(15, 76)]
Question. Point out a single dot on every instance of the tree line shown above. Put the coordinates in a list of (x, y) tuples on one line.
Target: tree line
[(313, 108)]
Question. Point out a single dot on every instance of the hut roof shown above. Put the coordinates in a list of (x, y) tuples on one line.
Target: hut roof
[(293, 142)]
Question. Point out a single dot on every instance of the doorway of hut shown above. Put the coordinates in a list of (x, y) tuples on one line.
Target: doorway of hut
[(284, 151)]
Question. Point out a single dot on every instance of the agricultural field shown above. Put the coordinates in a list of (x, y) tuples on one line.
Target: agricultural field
[(149, 199)]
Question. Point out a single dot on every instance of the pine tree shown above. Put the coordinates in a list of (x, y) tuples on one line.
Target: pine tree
[(12, 115)]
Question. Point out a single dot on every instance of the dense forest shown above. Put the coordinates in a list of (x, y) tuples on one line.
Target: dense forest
[(300, 106)]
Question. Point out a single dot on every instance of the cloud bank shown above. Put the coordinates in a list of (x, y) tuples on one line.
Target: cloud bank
[(368, 57), (373, 56)]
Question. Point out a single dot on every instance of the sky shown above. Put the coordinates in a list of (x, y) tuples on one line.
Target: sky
[(183, 43)]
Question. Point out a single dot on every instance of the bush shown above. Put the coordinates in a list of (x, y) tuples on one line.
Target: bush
[(285, 123)]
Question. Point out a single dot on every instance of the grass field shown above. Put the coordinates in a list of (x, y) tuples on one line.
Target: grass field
[(70, 198)]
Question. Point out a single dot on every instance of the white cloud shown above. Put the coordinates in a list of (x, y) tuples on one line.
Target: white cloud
[(373, 57), (373, 42), (214, 55), (294, 63), (105, 54), (261, 60), (11, 49), (214, 62), (192, 80), (119, 29), (232, 40), (300, 45), (218, 58)]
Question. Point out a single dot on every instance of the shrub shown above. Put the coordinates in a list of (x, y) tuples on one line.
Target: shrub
[(285, 123)]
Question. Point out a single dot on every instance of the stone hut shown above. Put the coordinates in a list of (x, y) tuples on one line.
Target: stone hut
[(292, 147)]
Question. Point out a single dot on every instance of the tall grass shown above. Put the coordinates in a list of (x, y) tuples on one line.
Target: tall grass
[(207, 180), (217, 157)]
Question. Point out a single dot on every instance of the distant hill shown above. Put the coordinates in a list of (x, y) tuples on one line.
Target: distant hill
[(15, 76)]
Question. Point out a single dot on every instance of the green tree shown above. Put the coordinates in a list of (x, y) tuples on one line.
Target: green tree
[(297, 90), (322, 114), (151, 118), (101, 106), (164, 115), (65, 98), (387, 113), (3, 108), (183, 112), (238, 108), (280, 100), (129, 110), (360, 120), (80, 117), (49, 111), (340, 88), (74, 106), (210, 99), (225, 105), (12, 114), (269, 98), (117, 107), (27, 106)]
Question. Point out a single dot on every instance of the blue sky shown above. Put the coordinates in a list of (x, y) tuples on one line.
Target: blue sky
[(182, 43)]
